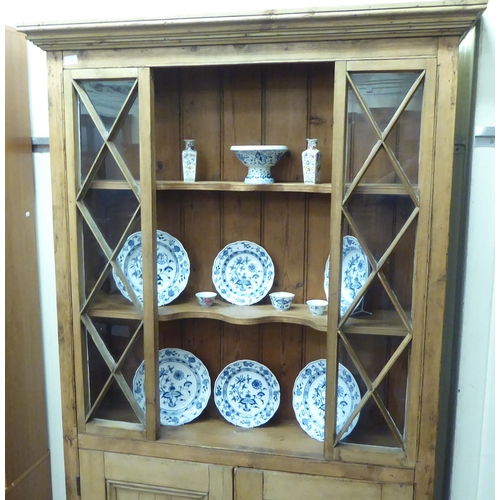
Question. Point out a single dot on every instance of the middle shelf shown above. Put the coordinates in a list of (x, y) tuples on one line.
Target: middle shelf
[(378, 323)]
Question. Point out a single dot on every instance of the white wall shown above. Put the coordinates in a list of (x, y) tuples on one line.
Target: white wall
[(472, 477), (473, 447)]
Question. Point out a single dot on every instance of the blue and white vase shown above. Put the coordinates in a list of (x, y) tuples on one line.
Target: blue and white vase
[(189, 161), (311, 162)]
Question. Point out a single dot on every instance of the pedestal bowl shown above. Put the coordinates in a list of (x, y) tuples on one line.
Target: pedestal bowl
[(259, 160)]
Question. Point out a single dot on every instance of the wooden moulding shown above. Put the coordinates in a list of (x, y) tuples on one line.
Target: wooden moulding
[(359, 22)]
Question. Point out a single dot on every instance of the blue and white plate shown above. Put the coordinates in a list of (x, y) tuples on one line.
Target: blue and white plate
[(243, 273), (185, 386), (247, 393), (309, 395), (327, 278), (355, 271), (173, 267)]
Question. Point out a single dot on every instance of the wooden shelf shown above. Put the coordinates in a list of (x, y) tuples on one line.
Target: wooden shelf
[(114, 306), (378, 323), (289, 187)]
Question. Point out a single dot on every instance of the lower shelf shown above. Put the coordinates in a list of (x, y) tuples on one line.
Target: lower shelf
[(283, 438)]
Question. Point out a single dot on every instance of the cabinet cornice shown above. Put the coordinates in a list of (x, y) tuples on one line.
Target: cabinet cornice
[(443, 18)]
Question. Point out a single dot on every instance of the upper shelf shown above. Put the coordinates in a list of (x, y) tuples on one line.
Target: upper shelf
[(288, 187), (427, 19)]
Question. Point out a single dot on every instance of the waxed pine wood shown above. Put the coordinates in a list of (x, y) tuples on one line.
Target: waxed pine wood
[(211, 86)]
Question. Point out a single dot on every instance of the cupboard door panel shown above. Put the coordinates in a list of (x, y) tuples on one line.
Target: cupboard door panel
[(251, 484), (280, 486), (119, 476)]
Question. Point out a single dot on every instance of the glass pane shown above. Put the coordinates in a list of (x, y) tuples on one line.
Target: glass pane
[(121, 343), (372, 105), (404, 137), (379, 218), (127, 139), (361, 137), (115, 107), (91, 141), (107, 97), (381, 419)]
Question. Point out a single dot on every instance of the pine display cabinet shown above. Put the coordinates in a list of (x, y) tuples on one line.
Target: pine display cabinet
[(376, 86)]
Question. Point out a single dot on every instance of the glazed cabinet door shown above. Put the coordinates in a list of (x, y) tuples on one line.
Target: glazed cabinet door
[(251, 484), (108, 117), (383, 134), (117, 476)]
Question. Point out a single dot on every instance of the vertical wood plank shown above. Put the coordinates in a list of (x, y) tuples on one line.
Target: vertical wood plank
[(240, 221), (203, 339), (248, 484), (201, 118), (169, 217), (338, 145), (92, 475), (167, 111), (436, 290), (282, 354), (201, 237), (148, 217), (242, 115), (220, 482), (63, 269), (321, 113), (421, 271), (284, 240), (395, 491), (318, 245), (286, 116), (74, 228)]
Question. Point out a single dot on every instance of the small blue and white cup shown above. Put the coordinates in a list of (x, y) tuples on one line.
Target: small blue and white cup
[(281, 301), (317, 306)]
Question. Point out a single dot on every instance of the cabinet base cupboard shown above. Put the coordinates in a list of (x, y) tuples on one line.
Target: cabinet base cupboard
[(166, 399)]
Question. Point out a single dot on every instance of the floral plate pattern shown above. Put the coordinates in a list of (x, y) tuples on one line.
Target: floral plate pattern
[(309, 394), (355, 270), (247, 393), (243, 273), (173, 267), (185, 386)]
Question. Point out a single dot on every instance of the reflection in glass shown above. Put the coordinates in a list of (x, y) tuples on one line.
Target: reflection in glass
[(112, 107), (121, 343), (378, 136)]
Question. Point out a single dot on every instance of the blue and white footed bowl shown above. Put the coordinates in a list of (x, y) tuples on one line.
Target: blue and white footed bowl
[(259, 160), (281, 301)]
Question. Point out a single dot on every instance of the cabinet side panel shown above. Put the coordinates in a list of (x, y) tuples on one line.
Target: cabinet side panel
[(446, 99), (63, 270)]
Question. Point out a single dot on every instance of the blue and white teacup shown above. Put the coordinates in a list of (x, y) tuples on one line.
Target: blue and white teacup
[(281, 301), (317, 306)]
